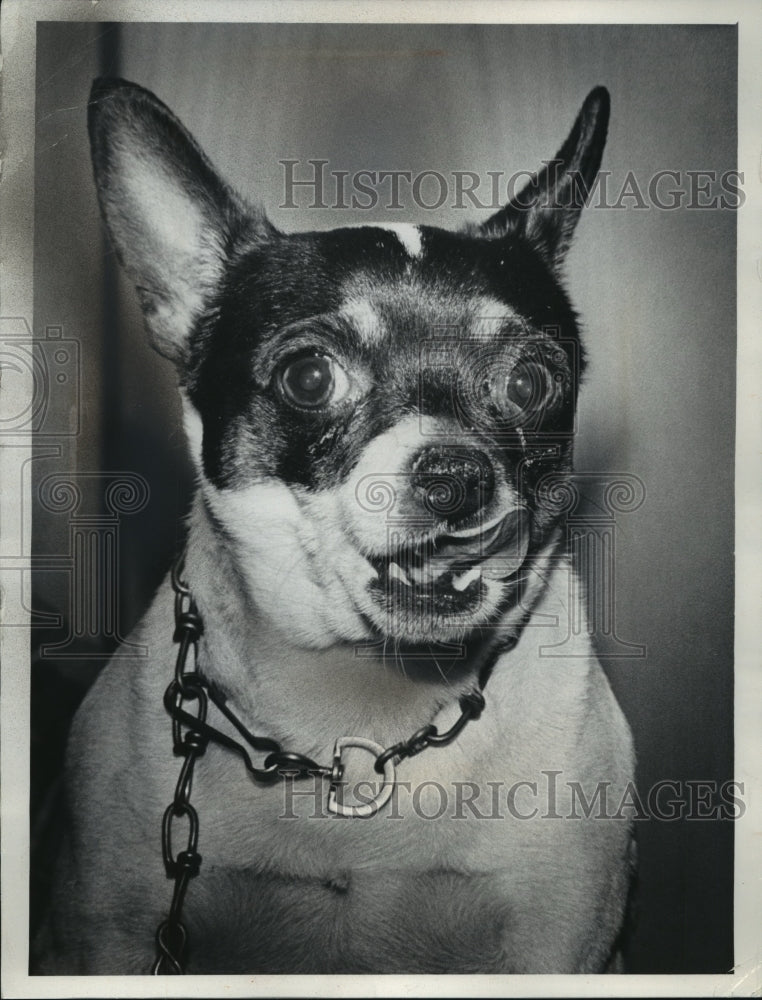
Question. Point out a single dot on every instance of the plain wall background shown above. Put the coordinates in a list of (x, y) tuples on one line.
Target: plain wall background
[(655, 289)]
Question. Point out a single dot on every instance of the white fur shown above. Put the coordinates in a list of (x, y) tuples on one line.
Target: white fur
[(170, 249), (359, 312), (194, 430), (294, 565), (164, 209), (489, 315), (409, 236)]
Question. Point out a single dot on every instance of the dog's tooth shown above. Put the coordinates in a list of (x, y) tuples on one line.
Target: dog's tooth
[(462, 581), (397, 573), (426, 572)]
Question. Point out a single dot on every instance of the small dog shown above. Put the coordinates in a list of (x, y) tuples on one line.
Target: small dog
[(381, 422)]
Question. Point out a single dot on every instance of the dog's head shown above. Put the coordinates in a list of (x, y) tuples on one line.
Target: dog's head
[(372, 410)]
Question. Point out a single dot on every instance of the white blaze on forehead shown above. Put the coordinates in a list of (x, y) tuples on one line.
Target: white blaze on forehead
[(408, 235)]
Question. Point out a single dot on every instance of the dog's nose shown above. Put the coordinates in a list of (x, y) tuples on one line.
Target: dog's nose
[(453, 483)]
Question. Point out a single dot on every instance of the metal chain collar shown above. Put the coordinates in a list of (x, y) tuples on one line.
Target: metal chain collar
[(171, 936), (191, 734)]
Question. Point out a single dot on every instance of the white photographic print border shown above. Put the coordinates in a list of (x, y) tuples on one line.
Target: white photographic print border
[(19, 23)]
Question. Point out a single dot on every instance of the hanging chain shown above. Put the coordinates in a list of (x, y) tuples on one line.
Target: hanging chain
[(185, 688)]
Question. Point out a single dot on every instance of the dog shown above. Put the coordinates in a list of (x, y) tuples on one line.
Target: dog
[(378, 757)]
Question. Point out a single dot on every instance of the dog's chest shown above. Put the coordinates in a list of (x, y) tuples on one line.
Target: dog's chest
[(428, 885), (380, 920), (287, 886)]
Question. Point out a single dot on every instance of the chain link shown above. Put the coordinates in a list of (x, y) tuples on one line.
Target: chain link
[(185, 689), (471, 706)]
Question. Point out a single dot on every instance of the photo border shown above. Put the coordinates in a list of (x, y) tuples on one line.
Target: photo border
[(19, 18)]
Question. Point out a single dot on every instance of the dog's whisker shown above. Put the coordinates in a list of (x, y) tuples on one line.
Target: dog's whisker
[(400, 657), (441, 672)]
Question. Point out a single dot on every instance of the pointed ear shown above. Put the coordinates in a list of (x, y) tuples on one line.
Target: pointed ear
[(547, 210), (170, 217)]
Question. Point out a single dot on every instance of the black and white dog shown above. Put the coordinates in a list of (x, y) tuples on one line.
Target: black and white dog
[(381, 422)]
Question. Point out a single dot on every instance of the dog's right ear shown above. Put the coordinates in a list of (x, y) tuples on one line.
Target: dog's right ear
[(546, 211), (170, 216)]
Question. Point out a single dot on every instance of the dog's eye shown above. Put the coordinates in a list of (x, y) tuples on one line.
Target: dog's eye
[(313, 381), (527, 387)]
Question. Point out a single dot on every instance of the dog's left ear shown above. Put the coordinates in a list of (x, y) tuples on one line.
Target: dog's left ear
[(171, 217), (547, 210)]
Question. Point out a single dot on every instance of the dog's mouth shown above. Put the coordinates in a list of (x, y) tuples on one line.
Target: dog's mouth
[(448, 575)]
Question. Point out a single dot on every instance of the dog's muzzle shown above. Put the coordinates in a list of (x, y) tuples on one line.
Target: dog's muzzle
[(448, 574)]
